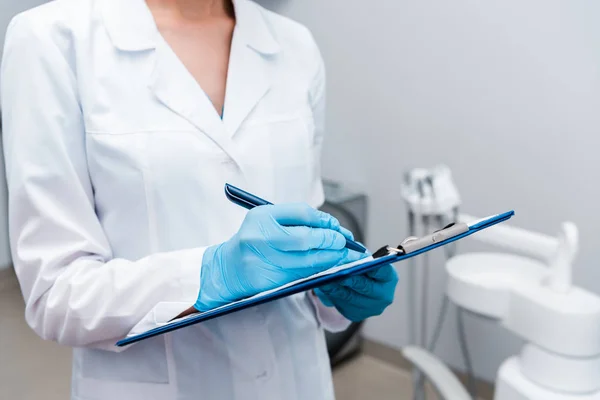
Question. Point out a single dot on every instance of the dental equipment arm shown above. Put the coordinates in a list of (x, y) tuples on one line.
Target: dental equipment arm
[(558, 252)]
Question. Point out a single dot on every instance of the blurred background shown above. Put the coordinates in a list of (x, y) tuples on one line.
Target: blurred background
[(506, 94)]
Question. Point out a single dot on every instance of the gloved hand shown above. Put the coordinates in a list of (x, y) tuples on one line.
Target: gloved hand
[(361, 296), (275, 245)]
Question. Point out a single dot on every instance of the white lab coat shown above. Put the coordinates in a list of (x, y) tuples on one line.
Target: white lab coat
[(116, 162)]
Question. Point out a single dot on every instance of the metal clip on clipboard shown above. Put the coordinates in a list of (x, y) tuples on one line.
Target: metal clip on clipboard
[(412, 243)]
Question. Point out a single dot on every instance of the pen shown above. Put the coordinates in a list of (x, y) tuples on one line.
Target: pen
[(249, 201)]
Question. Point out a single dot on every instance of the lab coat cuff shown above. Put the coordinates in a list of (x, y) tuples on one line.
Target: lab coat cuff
[(328, 317), (160, 315), (183, 294)]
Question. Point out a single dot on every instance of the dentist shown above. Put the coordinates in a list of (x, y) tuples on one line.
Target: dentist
[(122, 121)]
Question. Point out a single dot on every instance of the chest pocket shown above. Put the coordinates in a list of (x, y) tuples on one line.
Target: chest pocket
[(284, 145)]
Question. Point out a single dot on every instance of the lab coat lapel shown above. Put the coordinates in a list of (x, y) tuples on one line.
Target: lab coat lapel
[(247, 83), (172, 84), (253, 52), (175, 87)]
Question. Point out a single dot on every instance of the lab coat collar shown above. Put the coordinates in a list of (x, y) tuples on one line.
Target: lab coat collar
[(252, 26), (131, 26)]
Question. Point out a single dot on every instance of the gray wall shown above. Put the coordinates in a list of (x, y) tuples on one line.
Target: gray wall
[(506, 92), (8, 8)]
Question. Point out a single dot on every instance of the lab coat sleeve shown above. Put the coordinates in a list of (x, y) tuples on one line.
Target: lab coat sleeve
[(328, 317), (76, 293)]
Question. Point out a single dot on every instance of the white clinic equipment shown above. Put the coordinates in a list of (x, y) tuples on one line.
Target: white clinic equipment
[(431, 197), (528, 290), (432, 200)]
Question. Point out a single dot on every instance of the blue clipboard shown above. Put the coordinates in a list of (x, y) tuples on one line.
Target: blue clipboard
[(377, 261)]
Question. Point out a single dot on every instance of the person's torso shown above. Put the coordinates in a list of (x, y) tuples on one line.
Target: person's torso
[(158, 157)]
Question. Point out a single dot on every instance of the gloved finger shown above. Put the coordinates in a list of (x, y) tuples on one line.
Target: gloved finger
[(363, 308), (385, 273), (300, 214), (361, 284), (377, 290), (381, 296), (323, 297), (353, 256), (303, 238), (348, 257), (359, 302), (311, 262), (347, 234), (336, 292), (345, 296)]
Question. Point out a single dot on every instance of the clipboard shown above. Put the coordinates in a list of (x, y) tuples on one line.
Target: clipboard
[(411, 247)]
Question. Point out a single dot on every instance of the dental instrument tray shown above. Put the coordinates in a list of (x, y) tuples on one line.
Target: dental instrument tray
[(410, 247)]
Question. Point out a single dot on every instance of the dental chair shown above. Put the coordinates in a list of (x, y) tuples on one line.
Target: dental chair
[(529, 291)]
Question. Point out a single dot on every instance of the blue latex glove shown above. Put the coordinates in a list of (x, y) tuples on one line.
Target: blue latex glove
[(361, 296), (275, 245)]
